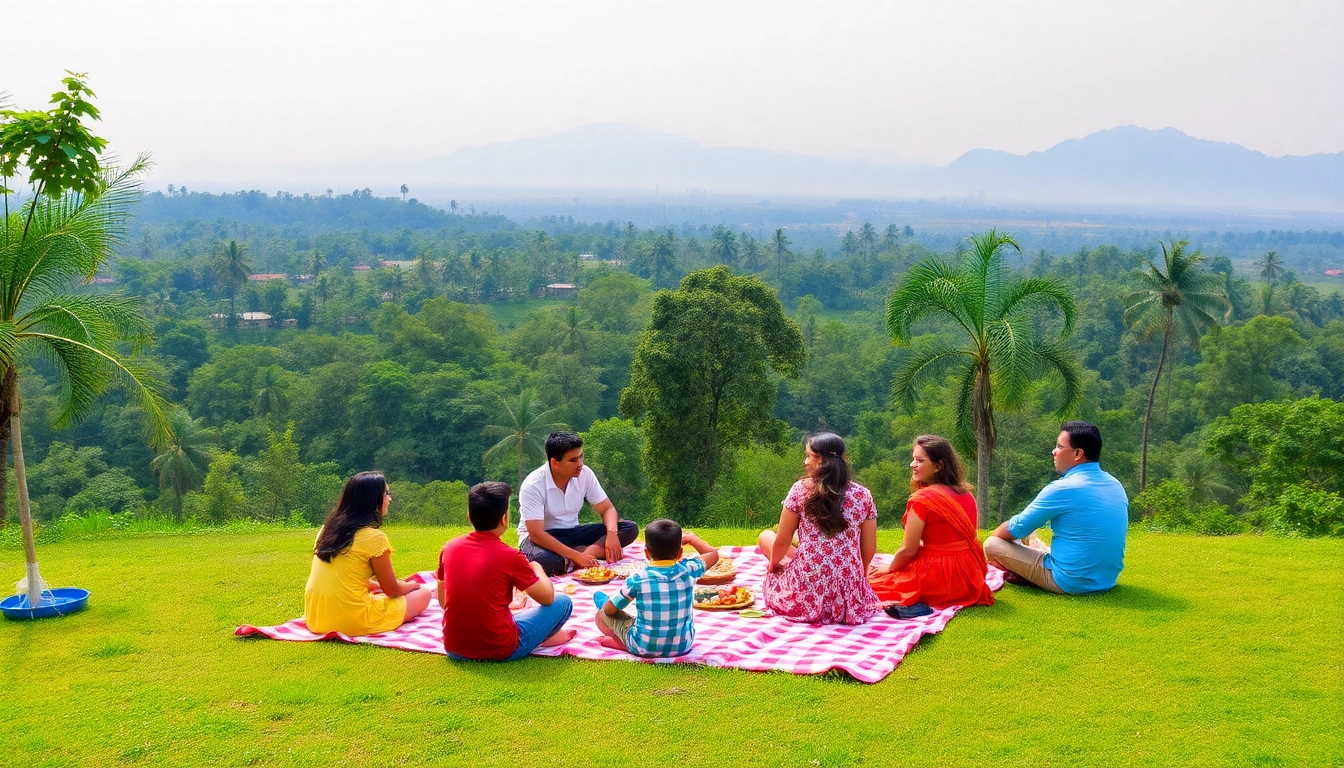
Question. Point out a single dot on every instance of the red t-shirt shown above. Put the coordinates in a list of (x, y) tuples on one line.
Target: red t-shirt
[(479, 573)]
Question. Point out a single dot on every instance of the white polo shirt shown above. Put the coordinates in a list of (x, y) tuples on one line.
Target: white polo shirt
[(540, 499)]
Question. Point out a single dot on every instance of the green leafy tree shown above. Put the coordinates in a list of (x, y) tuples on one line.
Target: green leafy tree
[(663, 257), (1270, 446), (281, 473), (181, 466), (1180, 299), (272, 393), (701, 383), (613, 447), (223, 490), (524, 432), (58, 239), (1001, 351)]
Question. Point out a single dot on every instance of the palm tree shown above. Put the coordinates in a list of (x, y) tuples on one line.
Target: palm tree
[(404, 189), (1178, 298), (452, 206), (529, 424), (272, 400), (663, 257), (42, 262), (181, 467), (575, 337), (780, 244), (317, 263), (723, 246), (232, 266), (1001, 353), (1271, 269)]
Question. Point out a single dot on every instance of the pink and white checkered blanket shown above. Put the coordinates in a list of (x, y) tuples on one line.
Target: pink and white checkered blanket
[(868, 652)]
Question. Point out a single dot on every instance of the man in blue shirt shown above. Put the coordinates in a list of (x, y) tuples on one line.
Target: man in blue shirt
[(1088, 513)]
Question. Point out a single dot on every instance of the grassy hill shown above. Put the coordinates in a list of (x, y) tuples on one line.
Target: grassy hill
[(1211, 651)]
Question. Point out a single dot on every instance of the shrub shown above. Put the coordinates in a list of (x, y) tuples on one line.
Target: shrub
[(1305, 511), (1166, 507)]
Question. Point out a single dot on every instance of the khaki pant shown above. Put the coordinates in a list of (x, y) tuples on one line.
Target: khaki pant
[(1027, 562)]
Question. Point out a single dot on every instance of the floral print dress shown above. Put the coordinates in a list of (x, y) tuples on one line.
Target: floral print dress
[(825, 582)]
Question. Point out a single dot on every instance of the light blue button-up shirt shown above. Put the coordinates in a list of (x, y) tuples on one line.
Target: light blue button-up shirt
[(1088, 513)]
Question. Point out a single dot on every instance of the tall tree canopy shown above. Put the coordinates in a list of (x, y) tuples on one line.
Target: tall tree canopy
[(701, 382)]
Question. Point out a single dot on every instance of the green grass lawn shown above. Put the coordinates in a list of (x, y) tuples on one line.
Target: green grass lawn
[(1211, 651)]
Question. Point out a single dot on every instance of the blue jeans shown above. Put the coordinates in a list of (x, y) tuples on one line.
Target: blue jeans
[(535, 625)]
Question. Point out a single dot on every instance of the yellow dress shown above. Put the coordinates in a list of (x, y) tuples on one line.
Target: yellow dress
[(337, 598)]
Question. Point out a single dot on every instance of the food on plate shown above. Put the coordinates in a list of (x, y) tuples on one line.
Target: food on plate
[(722, 572), (627, 570), (724, 597), (598, 573)]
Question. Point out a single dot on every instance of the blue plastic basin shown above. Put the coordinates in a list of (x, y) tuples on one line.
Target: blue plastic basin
[(54, 602)]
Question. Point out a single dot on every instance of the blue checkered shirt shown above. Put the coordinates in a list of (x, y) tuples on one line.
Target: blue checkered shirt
[(663, 594)]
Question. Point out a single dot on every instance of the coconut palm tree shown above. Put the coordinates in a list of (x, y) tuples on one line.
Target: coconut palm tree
[(663, 258), (404, 190), (182, 465), (232, 265), (272, 400), (723, 246), (48, 250), (525, 431), (317, 263), (780, 245), (1000, 352), (1180, 298)]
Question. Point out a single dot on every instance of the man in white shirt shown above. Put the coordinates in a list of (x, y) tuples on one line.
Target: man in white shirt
[(549, 501)]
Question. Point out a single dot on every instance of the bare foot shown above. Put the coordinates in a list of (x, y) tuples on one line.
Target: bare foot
[(611, 642), (559, 638)]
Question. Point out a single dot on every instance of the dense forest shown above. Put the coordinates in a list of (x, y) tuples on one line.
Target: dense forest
[(306, 338)]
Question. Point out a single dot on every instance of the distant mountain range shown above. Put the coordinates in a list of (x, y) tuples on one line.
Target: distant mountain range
[(1125, 166)]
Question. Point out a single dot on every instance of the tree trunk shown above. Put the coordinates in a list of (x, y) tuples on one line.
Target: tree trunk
[(1148, 415), (177, 506), (9, 384), (983, 421), (25, 514)]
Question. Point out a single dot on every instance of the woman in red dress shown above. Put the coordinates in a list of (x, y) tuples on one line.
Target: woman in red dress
[(940, 562)]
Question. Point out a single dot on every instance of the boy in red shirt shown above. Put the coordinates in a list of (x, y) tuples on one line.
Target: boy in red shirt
[(477, 575)]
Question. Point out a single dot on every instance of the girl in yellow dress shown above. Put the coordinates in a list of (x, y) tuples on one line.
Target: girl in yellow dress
[(352, 561)]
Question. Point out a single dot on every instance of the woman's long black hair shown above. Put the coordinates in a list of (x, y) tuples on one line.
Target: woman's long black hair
[(825, 500), (358, 508)]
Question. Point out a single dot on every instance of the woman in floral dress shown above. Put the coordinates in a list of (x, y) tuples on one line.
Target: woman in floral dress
[(823, 579)]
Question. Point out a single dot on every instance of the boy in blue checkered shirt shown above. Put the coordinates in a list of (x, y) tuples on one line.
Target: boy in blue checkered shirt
[(663, 593)]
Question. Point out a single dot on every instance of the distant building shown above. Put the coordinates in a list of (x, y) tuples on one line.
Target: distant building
[(1330, 272), (262, 277), (587, 257), (254, 319), (362, 268), (562, 290), (289, 322)]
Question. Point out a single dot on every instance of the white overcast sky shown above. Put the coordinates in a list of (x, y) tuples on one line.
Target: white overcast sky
[(280, 81)]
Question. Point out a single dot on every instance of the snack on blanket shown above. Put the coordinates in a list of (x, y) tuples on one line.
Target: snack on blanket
[(724, 571), (723, 598), (598, 574), (627, 570)]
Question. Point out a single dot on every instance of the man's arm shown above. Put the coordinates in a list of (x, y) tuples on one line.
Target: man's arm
[(536, 533), (1042, 509), (610, 519), (541, 590)]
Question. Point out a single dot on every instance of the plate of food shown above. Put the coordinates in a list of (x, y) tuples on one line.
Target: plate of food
[(598, 574), (722, 572), (627, 570), (723, 598)]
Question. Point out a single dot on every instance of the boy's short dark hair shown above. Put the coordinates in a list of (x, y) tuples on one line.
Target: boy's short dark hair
[(1085, 437), (487, 504), (560, 443), (663, 538)]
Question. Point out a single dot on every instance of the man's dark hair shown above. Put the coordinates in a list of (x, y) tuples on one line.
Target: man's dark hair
[(560, 443), (663, 538), (1085, 437), (487, 504)]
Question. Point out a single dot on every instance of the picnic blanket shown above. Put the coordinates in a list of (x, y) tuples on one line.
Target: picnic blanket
[(867, 652)]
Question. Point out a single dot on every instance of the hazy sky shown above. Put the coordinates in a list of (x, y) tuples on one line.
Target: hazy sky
[(277, 81)]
